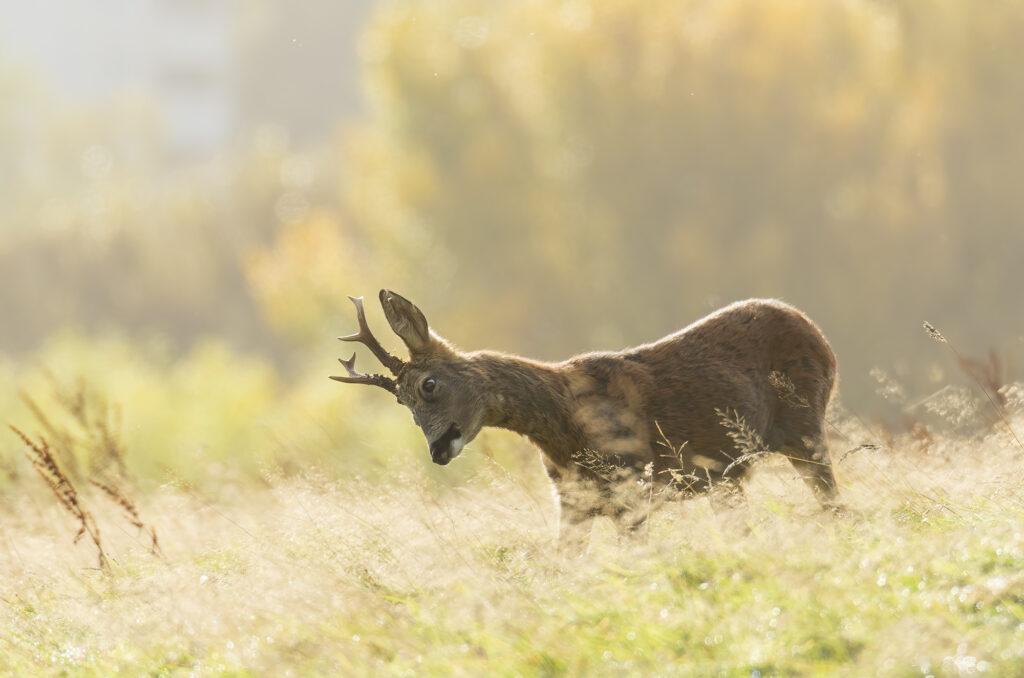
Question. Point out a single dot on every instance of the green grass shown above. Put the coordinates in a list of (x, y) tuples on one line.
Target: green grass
[(304, 532), (410, 576)]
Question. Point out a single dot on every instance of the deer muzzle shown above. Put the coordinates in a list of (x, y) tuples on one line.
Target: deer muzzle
[(448, 446)]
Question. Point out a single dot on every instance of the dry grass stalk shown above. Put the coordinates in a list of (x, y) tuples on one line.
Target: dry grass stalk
[(786, 390), (685, 483), (42, 460), (597, 464), (85, 430), (746, 439), (117, 495), (989, 375), (934, 333), (999, 408), (60, 439), (84, 421)]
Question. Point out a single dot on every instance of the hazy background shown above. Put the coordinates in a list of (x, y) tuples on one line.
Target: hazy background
[(190, 188), (540, 177)]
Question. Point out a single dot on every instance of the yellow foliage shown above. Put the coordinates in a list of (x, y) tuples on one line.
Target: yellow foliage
[(303, 278), (574, 152), (202, 418), (552, 177), (177, 418)]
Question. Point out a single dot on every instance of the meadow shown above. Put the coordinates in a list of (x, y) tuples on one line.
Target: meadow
[(309, 550), (185, 493)]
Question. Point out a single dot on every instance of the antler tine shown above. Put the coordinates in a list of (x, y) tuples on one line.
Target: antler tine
[(365, 337), (360, 378)]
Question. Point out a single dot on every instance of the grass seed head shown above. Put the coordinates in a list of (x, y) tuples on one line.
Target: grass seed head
[(934, 333)]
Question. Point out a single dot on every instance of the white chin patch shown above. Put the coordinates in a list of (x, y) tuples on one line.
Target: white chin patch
[(457, 446)]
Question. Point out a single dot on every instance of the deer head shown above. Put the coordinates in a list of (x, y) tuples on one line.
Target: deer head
[(435, 383)]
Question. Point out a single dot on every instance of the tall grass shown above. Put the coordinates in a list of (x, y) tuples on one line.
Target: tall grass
[(347, 553), (322, 574)]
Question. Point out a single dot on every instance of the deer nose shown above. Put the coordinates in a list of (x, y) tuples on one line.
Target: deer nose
[(441, 449)]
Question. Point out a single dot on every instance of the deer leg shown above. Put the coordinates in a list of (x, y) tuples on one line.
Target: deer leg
[(628, 523), (800, 432), (811, 461), (821, 480), (574, 525), (578, 504), (575, 511)]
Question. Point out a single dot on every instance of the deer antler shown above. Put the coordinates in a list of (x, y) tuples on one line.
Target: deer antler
[(365, 337), (360, 378)]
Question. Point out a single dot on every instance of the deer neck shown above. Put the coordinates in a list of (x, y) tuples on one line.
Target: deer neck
[(532, 399)]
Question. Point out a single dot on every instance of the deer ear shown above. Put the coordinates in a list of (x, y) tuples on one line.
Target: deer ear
[(407, 321)]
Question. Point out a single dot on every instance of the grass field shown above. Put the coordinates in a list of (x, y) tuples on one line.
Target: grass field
[(190, 189), (328, 574)]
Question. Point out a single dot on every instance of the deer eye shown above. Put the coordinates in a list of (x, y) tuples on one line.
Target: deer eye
[(429, 385)]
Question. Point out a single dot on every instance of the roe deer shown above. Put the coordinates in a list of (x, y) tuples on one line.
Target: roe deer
[(761, 360)]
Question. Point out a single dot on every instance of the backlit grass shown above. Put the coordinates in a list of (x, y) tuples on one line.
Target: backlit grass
[(414, 575)]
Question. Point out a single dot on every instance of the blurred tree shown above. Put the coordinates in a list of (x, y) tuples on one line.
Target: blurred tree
[(304, 277), (971, 169), (599, 173), (548, 177), (97, 233)]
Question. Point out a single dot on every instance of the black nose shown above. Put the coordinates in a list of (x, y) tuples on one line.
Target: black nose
[(440, 457), (441, 449)]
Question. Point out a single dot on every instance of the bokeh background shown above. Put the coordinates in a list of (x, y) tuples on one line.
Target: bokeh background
[(189, 189)]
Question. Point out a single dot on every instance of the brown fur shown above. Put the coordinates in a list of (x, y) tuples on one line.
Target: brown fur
[(595, 414)]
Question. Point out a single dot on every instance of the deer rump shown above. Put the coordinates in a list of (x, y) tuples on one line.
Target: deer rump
[(690, 410)]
